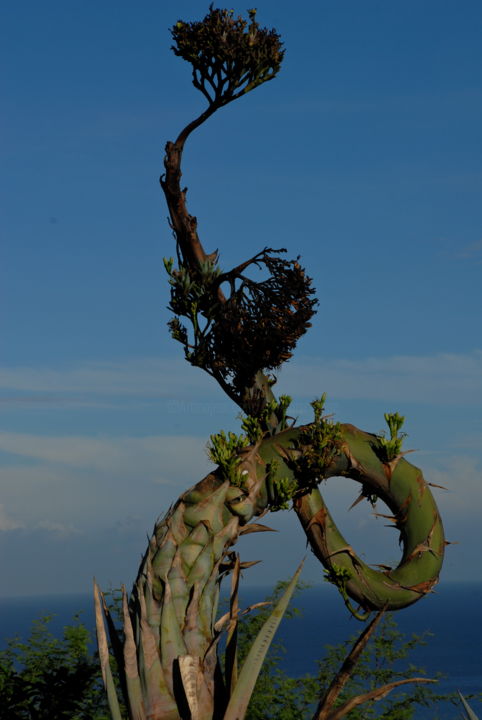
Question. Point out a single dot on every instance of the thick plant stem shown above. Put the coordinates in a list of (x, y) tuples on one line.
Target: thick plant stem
[(404, 490), (172, 610), (170, 635)]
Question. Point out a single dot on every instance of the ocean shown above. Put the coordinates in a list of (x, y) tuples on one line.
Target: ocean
[(452, 615)]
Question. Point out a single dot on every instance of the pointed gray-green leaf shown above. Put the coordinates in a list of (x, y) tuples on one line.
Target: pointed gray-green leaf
[(133, 683), (194, 636), (189, 668), (104, 658), (238, 704), (172, 643), (115, 642), (470, 713), (231, 652), (153, 605), (157, 695)]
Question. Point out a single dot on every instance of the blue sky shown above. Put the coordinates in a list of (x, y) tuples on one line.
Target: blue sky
[(363, 156)]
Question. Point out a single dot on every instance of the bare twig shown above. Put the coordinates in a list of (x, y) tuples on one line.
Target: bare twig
[(346, 670), (325, 711)]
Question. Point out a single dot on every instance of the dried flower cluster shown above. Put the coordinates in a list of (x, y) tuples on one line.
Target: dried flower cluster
[(230, 56), (260, 323), (255, 328)]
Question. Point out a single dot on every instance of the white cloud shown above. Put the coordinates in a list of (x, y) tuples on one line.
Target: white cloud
[(58, 529), (468, 440), (446, 378), (442, 379), (462, 476), (472, 251), (7, 522), (80, 482), (155, 456), (137, 377), (74, 487)]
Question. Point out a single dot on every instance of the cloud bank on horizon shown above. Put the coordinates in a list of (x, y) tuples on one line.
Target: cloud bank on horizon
[(360, 157), (442, 378), (68, 489)]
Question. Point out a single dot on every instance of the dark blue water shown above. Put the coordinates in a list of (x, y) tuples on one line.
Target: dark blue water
[(452, 615)]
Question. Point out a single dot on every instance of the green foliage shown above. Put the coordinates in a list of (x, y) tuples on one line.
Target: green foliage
[(281, 490), (253, 428), (229, 57), (224, 451), (47, 678), (339, 577), (280, 411), (193, 296), (392, 446), (272, 419), (320, 443)]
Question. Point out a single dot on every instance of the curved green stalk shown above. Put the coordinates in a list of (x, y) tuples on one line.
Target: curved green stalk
[(400, 485), (404, 490), (172, 609)]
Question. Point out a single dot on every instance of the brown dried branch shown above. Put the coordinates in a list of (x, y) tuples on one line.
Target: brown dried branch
[(325, 711), (343, 675), (373, 696)]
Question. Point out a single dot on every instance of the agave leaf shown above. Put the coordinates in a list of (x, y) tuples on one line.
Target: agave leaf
[(231, 653), (249, 563), (189, 668), (255, 527), (470, 713), (157, 695), (104, 658), (238, 703), (194, 637), (115, 645), (208, 602), (133, 683), (163, 556), (178, 586), (153, 592), (172, 642), (115, 642), (220, 624)]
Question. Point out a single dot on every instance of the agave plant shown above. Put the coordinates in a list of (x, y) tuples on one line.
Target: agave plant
[(166, 653)]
